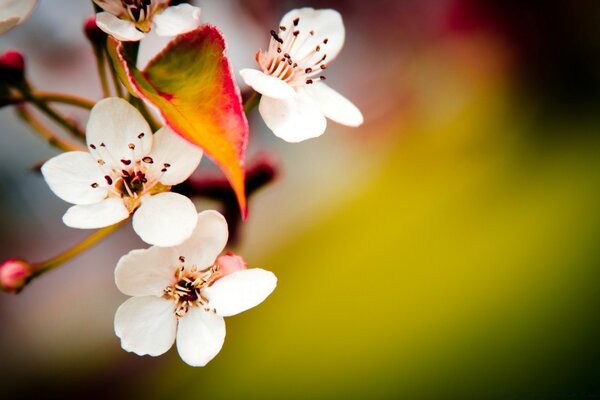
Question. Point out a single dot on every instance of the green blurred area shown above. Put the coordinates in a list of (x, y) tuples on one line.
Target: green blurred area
[(467, 268)]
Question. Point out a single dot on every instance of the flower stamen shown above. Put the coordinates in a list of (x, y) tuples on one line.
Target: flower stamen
[(186, 290)]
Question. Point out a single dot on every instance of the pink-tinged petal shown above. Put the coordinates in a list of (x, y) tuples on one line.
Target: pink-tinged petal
[(200, 336), (335, 106), (146, 325), (146, 272), (295, 119), (267, 85), (114, 7), (207, 241), (327, 32), (7, 24), (230, 263), (91, 216), (176, 20), (165, 219), (170, 149), (207, 110), (75, 177), (113, 128), (240, 291), (121, 29)]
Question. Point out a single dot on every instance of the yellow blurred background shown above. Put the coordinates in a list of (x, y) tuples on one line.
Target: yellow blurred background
[(446, 249)]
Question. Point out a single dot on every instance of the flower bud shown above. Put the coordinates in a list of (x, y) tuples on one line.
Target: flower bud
[(12, 66), (230, 263), (92, 32), (14, 274)]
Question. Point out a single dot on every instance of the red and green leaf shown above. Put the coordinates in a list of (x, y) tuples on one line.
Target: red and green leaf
[(191, 84)]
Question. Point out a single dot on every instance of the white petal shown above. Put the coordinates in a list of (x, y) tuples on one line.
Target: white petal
[(91, 216), (117, 124), (207, 241), (295, 119), (146, 325), (165, 219), (200, 336), (7, 24), (325, 24), (267, 85), (177, 20), (240, 291), (20, 9), (182, 157), (75, 177), (146, 272), (121, 29), (335, 106), (114, 7)]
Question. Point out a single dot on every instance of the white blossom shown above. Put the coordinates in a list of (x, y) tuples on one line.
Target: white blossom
[(127, 170), (131, 20), (181, 294), (295, 100)]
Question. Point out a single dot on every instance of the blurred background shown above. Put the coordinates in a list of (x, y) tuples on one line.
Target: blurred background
[(448, 248)]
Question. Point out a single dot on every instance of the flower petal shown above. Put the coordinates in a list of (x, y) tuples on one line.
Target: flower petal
[(207, 241), (200, 336), (20, 9), (146, 272), (267, 85), (181, 156), (75, 177), (121, 29), (295, 119), (335, 106), (113, 126), (324, 24), (165, 219), (176, 20), (240, 291), (146, 325), (98, 215), (7, 24), (114, 7)]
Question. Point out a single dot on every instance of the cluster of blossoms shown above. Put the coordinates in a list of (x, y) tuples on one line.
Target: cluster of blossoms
[(182, 286)]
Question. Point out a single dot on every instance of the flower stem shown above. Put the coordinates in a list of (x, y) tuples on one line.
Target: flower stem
[(251, 101), (57, 117), (101, 65), (53, 138), (141, 106), (64, 99), (74, 251)]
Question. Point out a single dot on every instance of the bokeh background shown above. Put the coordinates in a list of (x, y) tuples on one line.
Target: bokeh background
[(448, 248)]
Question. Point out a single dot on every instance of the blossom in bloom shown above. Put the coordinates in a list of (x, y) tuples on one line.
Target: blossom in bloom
[(14, 12), (130, 20), (127, 170), (295, 100), (182, 294)]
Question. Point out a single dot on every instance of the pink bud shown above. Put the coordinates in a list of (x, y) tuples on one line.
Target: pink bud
[(92, 32), (12, 65), (230, 263), (14, 274)]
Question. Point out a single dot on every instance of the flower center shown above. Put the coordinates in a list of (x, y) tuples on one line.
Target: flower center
[(293, 55), (128, 178), (186, 291), (137, 10), (142, 11)]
